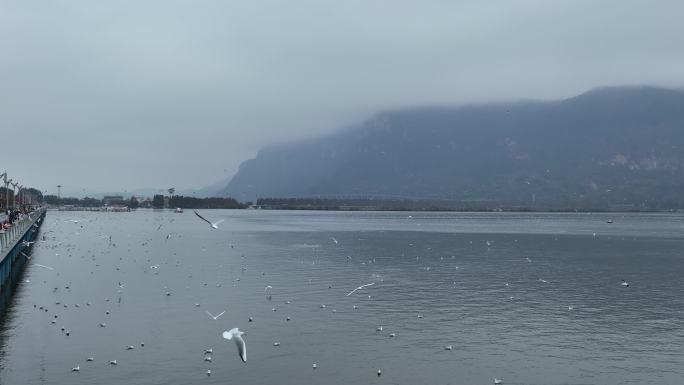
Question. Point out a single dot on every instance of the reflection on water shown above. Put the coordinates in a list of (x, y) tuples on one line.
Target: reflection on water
[(532, 298)]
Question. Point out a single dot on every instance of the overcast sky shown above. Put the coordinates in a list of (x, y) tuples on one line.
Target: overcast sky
[(118, 95)]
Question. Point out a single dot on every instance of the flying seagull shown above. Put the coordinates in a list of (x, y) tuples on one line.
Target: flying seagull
[(236, 334), (213, 225), (360, 287), (215, 317)]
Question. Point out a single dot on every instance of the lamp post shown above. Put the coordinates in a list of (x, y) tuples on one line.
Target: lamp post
[(14, 195), (7, 184), (4, 178)]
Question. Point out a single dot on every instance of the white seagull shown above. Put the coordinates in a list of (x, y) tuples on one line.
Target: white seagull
[(236, 334), (215, 317), (624, 283), (360, 287), (213, 225)]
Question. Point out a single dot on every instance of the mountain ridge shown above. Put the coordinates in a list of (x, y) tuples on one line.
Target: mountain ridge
[(607, 146)]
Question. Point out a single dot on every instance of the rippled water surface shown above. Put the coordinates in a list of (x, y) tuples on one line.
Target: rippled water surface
[(530, 298)]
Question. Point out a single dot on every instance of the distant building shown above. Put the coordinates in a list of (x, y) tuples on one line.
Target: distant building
[(108, 199)]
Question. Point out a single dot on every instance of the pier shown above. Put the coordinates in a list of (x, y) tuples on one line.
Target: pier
[(15, 246)]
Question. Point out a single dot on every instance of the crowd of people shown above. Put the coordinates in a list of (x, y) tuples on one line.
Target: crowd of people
[(12, 216)]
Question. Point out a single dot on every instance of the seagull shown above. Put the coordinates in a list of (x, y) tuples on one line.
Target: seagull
[(624, 283), (267, 288), (208, 372), (90, 359), (112, 362), (334, 240), (76, 369), (130, 347), (360, 287), (236, 334), (215, 317), (498, 382), (209, 351), (213, 225), (448, 347)]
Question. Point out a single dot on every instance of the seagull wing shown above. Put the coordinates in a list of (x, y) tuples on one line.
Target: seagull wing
[(210, 315), (352, 292), (201, 217), (220, 314), (242, 348), (360, 287)]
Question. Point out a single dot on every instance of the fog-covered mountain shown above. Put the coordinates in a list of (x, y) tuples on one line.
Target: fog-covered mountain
[(607, 147)]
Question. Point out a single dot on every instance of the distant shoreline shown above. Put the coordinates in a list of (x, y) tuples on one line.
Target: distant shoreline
[(414, 210)]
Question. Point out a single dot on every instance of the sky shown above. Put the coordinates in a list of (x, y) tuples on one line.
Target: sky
[(121, 95)]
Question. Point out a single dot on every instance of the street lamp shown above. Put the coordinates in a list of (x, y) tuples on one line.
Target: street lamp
[(14, 195), (4, 177)]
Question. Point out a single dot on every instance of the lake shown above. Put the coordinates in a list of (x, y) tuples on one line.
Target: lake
[(531, 298)]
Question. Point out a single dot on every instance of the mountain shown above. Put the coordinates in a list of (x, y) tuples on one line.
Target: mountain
[(607, 148)]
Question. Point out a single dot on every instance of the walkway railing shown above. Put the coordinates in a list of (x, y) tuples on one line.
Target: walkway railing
[(9, 237)]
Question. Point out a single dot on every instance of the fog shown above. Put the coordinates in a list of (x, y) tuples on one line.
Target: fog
[(122, 95)]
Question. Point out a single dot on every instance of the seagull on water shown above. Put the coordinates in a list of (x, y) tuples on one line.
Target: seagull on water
[(213, 225), (624, 283), (360, 287), (215, 317), (498, 382), (236, 335), (76, 369)]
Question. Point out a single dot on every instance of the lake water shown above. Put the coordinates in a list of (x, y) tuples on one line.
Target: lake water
[(530, 298)]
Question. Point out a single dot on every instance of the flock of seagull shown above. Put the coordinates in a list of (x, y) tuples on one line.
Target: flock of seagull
[(235, 334)]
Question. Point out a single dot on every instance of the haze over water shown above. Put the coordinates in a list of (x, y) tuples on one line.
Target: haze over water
[(435, 265)]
